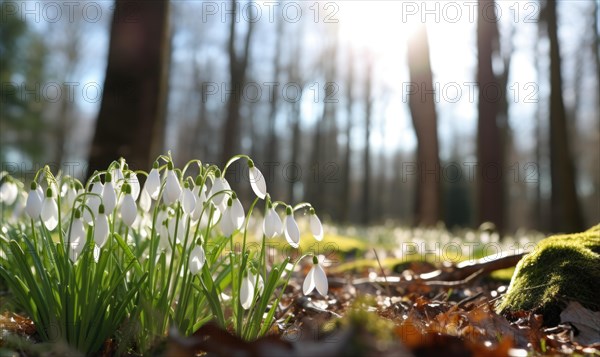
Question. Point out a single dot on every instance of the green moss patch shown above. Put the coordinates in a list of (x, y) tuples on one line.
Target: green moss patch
[(562, 268)]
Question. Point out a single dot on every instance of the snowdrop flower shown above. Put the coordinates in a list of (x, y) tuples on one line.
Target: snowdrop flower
[(49, 213), (145, 200), (117, 173), (109, 196), (247, 292), (33, 207), (132, 179), (172, 191), (227, 220), (94, 201), (152, 185), (69, 194), (272, 225), (8, 192), (188, 200), (101, 227), (200, 197), (197, 259), (258, 282), (291, 230), (316, 278), (257, 181), (315, 225), (237, 212), (220, 184), (128, 208), (76, 237)]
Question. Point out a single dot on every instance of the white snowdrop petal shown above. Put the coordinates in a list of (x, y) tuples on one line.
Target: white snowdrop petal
[(292, 232), (109, 197), (309, 282), (128, 210), (316, 227), (257, 182), (188, 201), (33, 207), (259, 283), (219, 185), (237, 213), (227, 223), (75, 249), (320, 279), (246, 292), (152, 185), (49, 213), (135, 185), (172, 188), (197, 260), (101, 230), (145, 200), (272, 225)]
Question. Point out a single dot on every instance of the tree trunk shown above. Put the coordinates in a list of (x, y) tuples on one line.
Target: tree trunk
[(368, 102), (347, 166), (489, 144), (237, 72), (565, 211), (132, 114), (422, 108)]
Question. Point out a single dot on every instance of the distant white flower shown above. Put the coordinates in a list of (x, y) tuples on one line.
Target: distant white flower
[(152, 185), (33, 207), (109, 195), (272, 225), (8, 192), (172, 191), (69, 194), (200, 196), (76, 238), (291, 230), (316, 278), (188, 200), (316, 227), (197, 259), (257, 181), (128, 207), (101, 227), (49, 213), (247, 292)]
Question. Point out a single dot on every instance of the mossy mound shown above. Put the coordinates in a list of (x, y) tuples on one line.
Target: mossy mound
[(562, 268)]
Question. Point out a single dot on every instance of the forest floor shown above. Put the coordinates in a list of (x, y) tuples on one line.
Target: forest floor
[(382, 303)]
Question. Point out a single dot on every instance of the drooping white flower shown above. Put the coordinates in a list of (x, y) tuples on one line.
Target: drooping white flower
[(247, 292), (76, 238), (227, 222), (316, 228), (291, 230), (49, 213), (145, 200), (69, 194), (172, 191), (133, 181), (109, 195), (101, 227), (188, 200), (8, 192), (237, 212), (272, 225), (197, 259), (259, 283), (257, 181), (93, 201), (316, 278), (219, 184), (152, 185), (200, 196), (128, 207), (33, 207)]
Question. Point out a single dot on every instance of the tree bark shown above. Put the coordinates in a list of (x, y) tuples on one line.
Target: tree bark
[(368, 102), (565, 211), (490, 148), (422, 108), (132, 114)]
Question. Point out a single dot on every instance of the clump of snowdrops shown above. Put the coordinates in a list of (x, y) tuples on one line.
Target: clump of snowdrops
[(108, 258)]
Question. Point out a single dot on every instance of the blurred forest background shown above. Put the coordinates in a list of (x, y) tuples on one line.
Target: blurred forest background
[(405, 111)]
